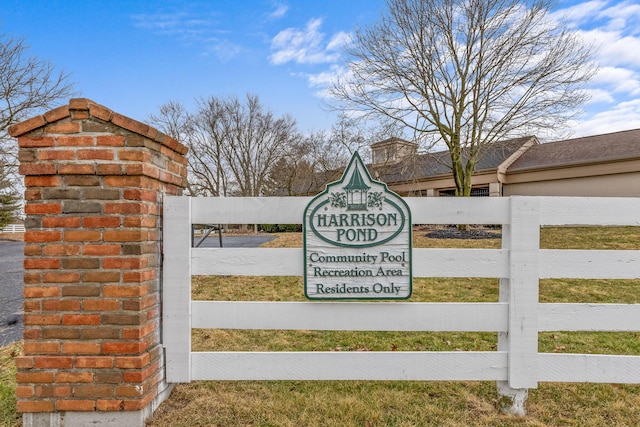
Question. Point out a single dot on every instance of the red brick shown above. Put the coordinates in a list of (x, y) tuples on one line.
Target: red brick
[(101, 277), (75, 141), (80, 104), (80, 347), (66, 222), (51, 305), (24, 391), (42, 236), (31, 333), (37, 169), (32, 195), (32, 250), (138, 276), (34, 377), (41, 347), (123, 347), (68, 127), (74, 377), (24, 362), (54, 362), (69, 305), (101, 222), (109, 405), (41, 291), (125, 291), (31, 306), (76, 169), (125, 235), (61, 333), (94, 362), (111, 140), (100, 304), (81, 236), (41, 263), (35, 141), (100, 111), (111, 333), (76, 405), (53, 391), (95, 154), (123, 181), (126, 208), (138, 194), (35, 406), (60, 277), (109, 169), (129, 391), (56, 154), (41, 319), (140, 376), (138, 333), (133, 362), (129, 124), (80, 319), (42, 181), (43, 208), (124, 263), (93, 391), (61, 250), (26, 126), (56, 114), (101, 249), (136, 155), (146, 221)]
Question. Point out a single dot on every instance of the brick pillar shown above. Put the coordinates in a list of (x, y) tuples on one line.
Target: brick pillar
[(94, 184)]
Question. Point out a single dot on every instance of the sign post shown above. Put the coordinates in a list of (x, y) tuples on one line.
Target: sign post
[(357, 240)]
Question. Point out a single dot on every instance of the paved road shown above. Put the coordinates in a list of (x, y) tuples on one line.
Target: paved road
[(11, 300), (11, 256)]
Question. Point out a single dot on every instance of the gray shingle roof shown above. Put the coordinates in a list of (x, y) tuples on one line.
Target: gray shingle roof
[(589, 149)]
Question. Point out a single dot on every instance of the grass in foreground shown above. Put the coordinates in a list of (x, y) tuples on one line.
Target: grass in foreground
[(379, 403), (8, 415)]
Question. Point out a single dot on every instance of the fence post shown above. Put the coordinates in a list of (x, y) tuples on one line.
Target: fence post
[(95, 182), (522, 238), (176, 295)]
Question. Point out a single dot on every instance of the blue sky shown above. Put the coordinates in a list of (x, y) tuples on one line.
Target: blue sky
[(133, 56)]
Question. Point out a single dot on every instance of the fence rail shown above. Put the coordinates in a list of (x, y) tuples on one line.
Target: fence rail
[(517, 317), (13, 228)]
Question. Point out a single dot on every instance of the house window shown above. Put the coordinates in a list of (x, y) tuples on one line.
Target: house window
[(475, 192)]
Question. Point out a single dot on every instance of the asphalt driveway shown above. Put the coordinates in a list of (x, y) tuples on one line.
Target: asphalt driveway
[(11, 256)]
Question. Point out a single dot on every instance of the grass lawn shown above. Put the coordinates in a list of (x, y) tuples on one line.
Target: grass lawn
[(395, 403), (411, 403)]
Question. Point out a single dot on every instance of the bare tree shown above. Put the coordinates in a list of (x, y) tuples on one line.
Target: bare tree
[(28, 86), (469, 72), (200, 132), (253, 139), (233, 145)]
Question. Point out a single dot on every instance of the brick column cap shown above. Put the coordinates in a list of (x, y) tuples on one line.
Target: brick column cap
[(99, 112)]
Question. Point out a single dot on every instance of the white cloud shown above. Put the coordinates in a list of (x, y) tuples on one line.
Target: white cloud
[(612, 27), (623, 116), (304, 46), (202, 30), (621, 81), (279, 11), (597, 96)]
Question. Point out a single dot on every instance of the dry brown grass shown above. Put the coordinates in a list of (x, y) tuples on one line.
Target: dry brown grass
[(378, 403), (14, 237)]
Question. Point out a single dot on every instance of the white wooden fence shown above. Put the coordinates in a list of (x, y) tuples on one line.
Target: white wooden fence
[(13, 228), (517, 317)]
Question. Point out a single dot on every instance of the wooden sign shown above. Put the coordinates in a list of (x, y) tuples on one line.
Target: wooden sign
[(357, 240)]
